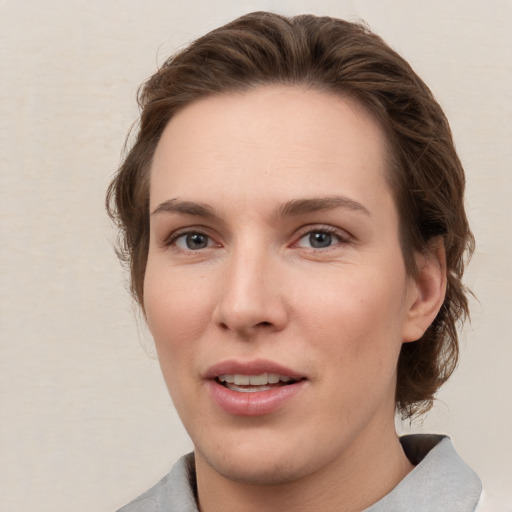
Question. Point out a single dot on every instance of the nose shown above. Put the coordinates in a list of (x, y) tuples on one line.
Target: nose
[(251, 299)]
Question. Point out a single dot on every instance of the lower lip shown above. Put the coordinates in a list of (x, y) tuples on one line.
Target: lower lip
[(255, 403)]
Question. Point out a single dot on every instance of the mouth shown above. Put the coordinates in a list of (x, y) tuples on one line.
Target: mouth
[(254, 383), (253, 388)]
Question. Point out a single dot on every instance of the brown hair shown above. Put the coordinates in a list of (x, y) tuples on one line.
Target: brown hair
[(346, 59)]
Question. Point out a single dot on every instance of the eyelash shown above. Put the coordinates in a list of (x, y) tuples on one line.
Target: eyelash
[(329, 230), (342, 236), (174, 237)]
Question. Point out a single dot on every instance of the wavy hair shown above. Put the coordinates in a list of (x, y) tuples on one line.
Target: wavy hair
[(346, 59)]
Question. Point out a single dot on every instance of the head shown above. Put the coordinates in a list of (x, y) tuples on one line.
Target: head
[(346, 60)]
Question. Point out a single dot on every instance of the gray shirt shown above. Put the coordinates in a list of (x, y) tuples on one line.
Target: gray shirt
[(440, 482)]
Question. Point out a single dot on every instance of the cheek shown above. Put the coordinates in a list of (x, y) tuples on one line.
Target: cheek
[(177, 312), (356, 318), (355, 335)]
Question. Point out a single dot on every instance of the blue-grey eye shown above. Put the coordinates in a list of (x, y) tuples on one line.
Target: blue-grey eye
[(193, 241), (320, 239)]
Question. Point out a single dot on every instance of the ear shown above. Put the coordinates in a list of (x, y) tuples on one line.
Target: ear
[(426, 292)]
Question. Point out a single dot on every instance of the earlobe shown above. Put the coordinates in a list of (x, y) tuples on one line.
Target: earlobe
[(427, 291)]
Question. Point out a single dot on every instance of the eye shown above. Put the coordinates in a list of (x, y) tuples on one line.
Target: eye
[(192, 241), (321, 239)]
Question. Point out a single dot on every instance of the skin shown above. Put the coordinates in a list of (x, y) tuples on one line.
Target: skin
[(258, 289)]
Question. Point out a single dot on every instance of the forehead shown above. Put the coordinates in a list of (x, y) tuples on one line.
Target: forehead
[(272, 140)]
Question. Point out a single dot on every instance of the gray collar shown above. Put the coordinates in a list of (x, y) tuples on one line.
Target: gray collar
[(440, 482)]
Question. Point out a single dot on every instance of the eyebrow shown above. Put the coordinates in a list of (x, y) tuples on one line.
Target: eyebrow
[(293, 208), (298, 207), (185, 208)]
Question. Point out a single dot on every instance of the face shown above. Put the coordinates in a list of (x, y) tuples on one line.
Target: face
[(275, 286)]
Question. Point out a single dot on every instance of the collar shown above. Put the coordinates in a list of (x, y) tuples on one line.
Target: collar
[(440, 482)]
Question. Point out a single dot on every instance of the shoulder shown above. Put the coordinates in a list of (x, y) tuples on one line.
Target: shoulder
[(176, 490), (441, 480)]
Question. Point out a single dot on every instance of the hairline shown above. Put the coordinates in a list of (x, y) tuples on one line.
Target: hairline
[(391, 163)]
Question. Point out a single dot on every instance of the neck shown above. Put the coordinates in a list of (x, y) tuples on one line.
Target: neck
[(353, 481)]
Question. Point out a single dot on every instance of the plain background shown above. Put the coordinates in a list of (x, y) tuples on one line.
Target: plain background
[(85, 419)]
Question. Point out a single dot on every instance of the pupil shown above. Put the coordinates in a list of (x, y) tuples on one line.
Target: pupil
[(319, 240), (196, 241)]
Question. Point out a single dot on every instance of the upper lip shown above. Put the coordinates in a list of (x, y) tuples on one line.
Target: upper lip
[(254, 367)]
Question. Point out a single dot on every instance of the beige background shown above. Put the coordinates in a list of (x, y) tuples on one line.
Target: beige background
[(85, 420)]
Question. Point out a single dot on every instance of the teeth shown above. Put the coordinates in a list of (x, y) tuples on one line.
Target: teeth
[(258, 380), (254, 380), (242, 380), (273, 378)]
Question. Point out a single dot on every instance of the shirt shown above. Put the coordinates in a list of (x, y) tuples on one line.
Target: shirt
[(439, 482)]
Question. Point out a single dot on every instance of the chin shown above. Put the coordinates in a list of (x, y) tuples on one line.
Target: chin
[(259, 470), (256, 460)]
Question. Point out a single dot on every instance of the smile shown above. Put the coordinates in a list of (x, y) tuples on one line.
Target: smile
[(253, 388), (253, 383)]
